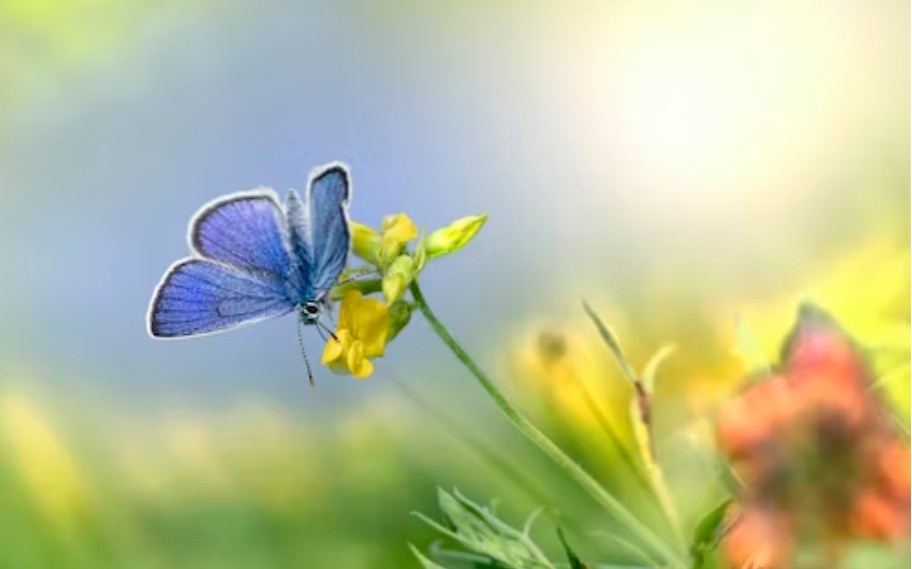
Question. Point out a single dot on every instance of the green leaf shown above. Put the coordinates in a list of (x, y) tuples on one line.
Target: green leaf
[(530, 521), (611, 341), (463, 559), (575, 562), (706, 534), (439, 527), (425, 562), (652, 366), (481, 532)]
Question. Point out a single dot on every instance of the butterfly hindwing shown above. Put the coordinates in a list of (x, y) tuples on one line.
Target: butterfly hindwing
[(198, 296), (246, 231), (329, 194), (319, 227), (298, 219)]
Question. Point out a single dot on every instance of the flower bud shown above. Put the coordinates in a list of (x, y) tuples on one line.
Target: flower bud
[(365, 242), (397, 278), (397, 230), (421, 256), (400, 314), (454, 236)]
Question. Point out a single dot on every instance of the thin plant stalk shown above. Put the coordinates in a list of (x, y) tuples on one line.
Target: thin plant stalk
[(571, 467), (643, 399), (653, 481), (608, 428), (663, 497)]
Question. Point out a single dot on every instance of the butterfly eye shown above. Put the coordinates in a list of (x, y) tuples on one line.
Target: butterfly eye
[(311, 308)]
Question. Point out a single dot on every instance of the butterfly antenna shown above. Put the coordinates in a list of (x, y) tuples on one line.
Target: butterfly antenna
[(310, 376), (325, 328)]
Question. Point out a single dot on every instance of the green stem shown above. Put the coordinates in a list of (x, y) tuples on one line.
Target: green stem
[(663, 496), (574, 470), (653, 481)]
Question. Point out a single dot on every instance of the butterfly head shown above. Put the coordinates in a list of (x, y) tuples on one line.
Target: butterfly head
[(310, 312)]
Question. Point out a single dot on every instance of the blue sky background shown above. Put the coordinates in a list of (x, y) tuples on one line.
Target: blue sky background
[(592, 186)]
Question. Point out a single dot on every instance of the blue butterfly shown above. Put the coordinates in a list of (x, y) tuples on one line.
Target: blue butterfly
[(254, 259)]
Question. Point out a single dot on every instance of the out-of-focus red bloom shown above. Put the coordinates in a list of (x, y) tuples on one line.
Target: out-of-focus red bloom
[(817, 453)]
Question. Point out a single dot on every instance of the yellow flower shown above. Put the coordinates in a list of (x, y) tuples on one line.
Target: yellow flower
[(361, 335), (47, 467), (398, 230), (382, 248)]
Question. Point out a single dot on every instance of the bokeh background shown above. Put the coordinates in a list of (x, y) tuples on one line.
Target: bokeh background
[(693, 168)]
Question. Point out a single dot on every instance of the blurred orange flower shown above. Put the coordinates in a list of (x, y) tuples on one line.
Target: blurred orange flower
[(816, 451)]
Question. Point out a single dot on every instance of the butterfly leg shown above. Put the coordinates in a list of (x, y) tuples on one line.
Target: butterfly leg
[(357, 274)]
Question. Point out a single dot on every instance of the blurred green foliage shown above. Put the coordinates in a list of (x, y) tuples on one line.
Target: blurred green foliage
[(247, 488)]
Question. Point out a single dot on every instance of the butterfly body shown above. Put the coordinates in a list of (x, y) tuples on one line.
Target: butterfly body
[(255, 259)]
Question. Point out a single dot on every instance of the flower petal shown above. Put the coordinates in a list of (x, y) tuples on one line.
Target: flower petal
[(350, 303), (399, 228), (364, 369), (370, 325), (355, 356), (365, 242), (335, 347)]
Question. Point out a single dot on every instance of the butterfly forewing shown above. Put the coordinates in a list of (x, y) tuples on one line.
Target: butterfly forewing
[(246, 231), (320, 234)]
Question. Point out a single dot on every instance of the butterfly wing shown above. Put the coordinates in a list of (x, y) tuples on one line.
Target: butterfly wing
[(246, 231), (328, 195), (199, 296), (320, 232), (241, 274)]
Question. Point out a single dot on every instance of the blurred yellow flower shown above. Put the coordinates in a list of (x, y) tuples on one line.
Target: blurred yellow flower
[(361, 335), (47, 467), (561, 371)]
